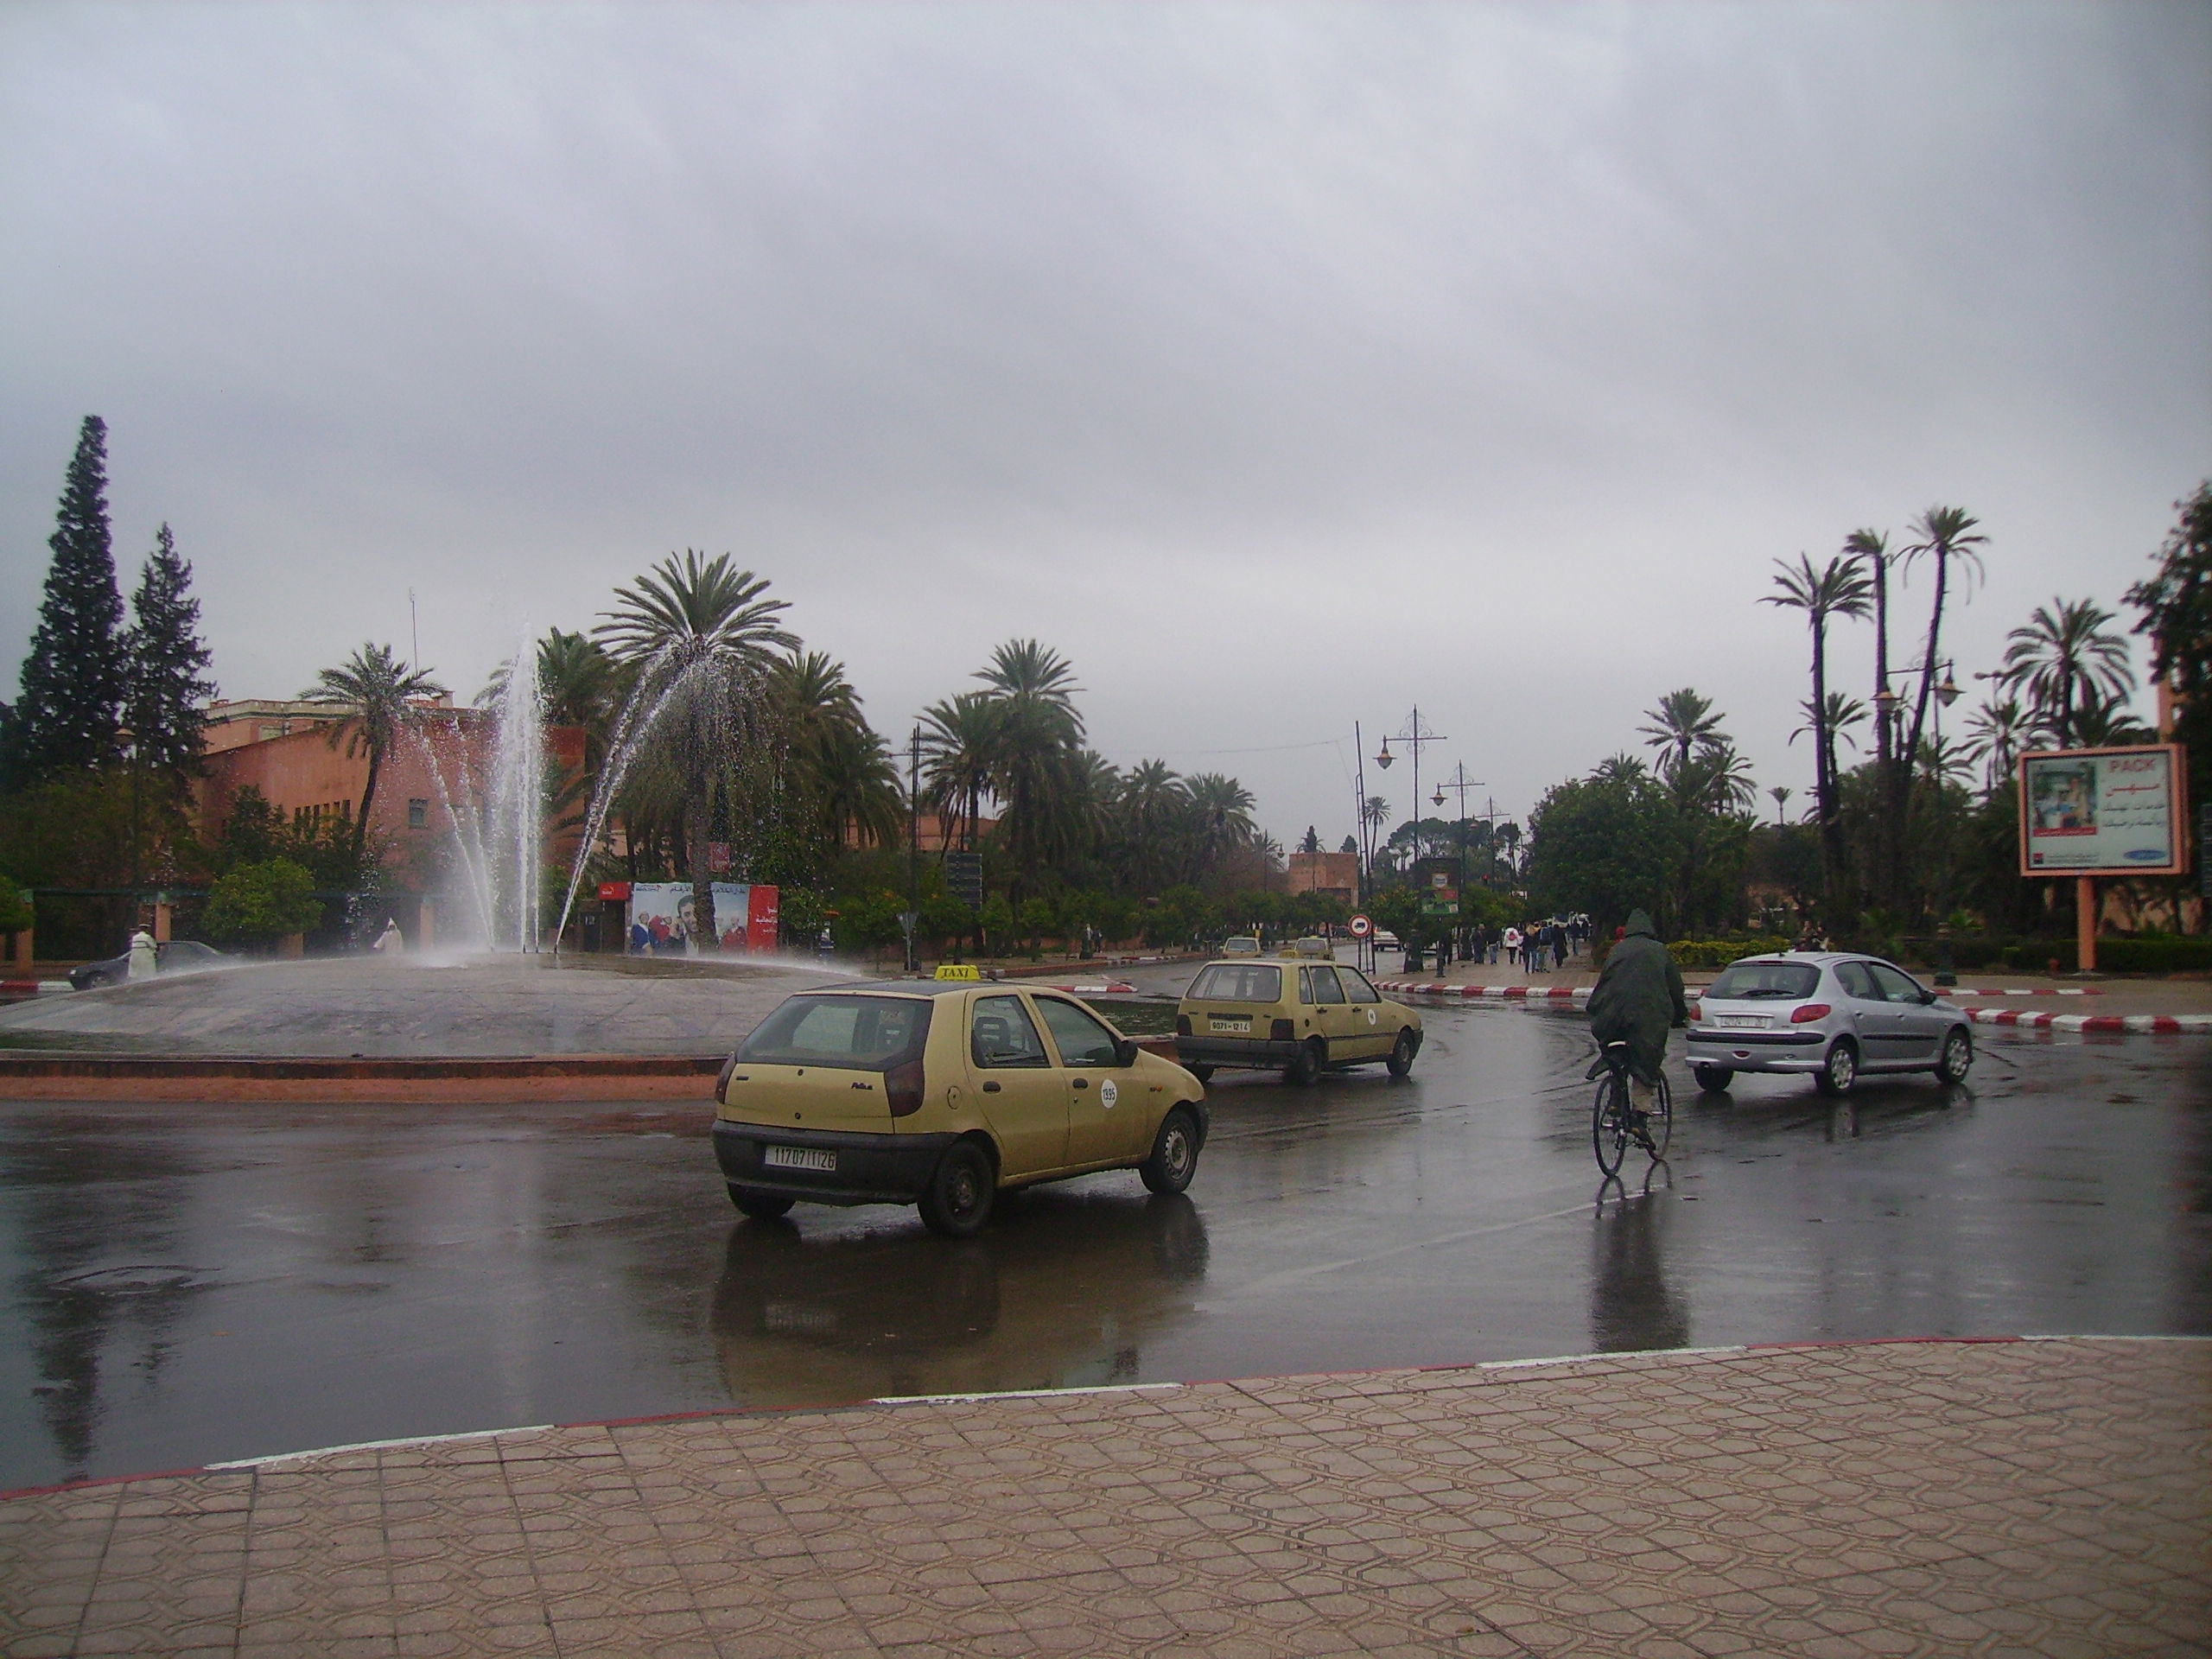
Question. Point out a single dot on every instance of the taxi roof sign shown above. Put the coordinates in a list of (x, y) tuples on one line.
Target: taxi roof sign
[(957, 970)]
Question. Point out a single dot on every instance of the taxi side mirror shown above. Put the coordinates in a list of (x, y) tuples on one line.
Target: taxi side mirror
[(1125, 1050)]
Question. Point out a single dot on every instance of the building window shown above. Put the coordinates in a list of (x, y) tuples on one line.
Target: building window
[(418, 815)]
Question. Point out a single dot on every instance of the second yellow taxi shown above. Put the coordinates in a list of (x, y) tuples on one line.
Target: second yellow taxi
[(1292, 1013)]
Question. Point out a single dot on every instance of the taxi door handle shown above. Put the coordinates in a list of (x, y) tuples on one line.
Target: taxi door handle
[(1083, 1082), (990, 1088)]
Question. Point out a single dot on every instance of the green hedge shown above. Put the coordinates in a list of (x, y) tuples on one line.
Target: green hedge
[(1719, 953)]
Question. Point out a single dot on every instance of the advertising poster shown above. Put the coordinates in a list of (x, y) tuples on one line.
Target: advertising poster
[(662, 923), (2101, 812)]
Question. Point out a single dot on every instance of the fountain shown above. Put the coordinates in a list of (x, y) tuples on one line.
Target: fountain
[(497, 819)]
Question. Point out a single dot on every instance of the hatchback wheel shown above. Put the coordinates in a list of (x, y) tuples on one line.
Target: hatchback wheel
[(1958, 1055), (1175, 1153), (1201, 1071), (1839, 1071), (958, 1200), (1713, 1079), (1401, 1055), (1307, 1066)]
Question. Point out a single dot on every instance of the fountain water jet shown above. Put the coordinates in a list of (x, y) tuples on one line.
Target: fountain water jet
[(497, 812)]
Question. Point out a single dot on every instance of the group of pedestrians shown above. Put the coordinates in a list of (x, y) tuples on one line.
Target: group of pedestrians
[(1534, 947)]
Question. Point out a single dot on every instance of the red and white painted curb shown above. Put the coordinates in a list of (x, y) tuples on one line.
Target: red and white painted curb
[(1513, 993), (2157, 1024), (2107, 1022)]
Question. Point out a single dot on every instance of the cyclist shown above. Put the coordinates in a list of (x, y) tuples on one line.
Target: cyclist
[(1638, 996)]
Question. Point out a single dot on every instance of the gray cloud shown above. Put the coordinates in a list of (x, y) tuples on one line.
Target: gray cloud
[(1283, 365)]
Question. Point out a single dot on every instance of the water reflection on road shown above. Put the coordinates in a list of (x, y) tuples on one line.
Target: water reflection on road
[(187, 1285)]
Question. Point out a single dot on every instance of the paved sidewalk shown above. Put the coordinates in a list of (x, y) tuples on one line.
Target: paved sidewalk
[(2046, 1497)]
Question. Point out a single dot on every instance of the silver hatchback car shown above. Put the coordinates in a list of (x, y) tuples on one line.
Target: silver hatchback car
[(1830, 1015)]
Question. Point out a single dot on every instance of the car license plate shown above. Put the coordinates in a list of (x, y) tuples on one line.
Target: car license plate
[(1240, 1026), (799, 1158), (1742, 1021)]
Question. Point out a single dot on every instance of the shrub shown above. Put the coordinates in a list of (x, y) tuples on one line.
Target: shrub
[(255, 903), (1719, 953)]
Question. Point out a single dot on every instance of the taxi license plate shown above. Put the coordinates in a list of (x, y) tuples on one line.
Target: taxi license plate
[(799, 1158), (1239, 1026), (1743, 1021)]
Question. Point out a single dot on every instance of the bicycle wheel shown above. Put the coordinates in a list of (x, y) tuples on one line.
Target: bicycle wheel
[(1609, 1124), (1659, 1122)]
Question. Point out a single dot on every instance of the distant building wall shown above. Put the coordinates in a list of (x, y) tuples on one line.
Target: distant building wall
[(306, 776), (1336, 875)]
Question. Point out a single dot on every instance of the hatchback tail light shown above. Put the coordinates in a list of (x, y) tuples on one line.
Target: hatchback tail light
[(1182, 1025), (903, 1085), (1807, 1012), (721, 1084), (1283, 1032)]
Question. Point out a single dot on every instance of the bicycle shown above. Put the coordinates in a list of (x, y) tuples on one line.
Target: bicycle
[(1611, 1128)]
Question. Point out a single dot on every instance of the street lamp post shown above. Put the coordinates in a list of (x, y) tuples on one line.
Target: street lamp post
[(1462, 783)]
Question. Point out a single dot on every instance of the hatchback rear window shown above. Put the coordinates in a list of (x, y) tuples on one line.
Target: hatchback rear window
[(1238, 982), (1792, 980), (859, 1034)]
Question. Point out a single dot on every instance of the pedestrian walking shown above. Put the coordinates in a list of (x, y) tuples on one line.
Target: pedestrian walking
[(145, 956), (1513, 947), (390, 942)]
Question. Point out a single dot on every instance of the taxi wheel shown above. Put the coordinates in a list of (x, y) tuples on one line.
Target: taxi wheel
[(1401, 1055), (1307, 1066), (761, 1206), (1201, 1071), (1175, 1153), (958, 1200)]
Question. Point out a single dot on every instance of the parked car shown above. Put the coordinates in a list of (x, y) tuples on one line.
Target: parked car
[(170, 956), (1830, 1015), (1297, 1015), (940, 1093)]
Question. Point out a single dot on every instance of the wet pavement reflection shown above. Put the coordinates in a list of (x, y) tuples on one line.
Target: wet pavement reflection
[(184, 1285)]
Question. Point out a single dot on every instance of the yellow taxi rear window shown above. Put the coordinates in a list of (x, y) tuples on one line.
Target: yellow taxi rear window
[(860, 1033), (1238, 982)]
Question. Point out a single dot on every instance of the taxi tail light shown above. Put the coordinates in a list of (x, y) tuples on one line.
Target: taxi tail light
[(903, 1085), (721, 1084), (1283, 1032), (1182, 1025), (1807, 1012)]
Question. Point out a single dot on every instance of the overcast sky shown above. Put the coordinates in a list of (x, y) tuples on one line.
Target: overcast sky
[(1283, 367)]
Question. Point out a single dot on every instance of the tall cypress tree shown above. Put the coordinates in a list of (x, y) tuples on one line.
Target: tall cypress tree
[(167, 663), (76, 676)]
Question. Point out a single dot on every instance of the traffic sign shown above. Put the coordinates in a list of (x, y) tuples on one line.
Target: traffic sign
[(1362, 927)]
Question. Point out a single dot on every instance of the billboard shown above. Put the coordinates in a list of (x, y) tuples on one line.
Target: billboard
[(2103, 811), (662, 925)]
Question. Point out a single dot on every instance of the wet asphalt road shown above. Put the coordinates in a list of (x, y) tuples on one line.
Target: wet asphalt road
[(185, 1285)]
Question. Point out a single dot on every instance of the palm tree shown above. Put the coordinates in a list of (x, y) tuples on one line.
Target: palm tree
[(702, 639), (1997, 733), (1873, 547), (2066, 659), (1781, 793), (959, 738), (1622, 768), (1152, 807), (2104, 723), (1945, 535), (1220, 819), (1034, 766), (1841, 589), (1682, 721), (373, 689)]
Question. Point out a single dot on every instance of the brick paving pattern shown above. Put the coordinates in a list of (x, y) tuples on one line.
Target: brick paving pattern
[(2029, 1497)]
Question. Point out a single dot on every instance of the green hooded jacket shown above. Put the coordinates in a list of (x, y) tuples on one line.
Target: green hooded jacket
[(1639, 995)]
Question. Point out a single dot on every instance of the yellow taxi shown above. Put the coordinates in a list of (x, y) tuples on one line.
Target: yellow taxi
[(1293, 1013), (940, 1092)]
